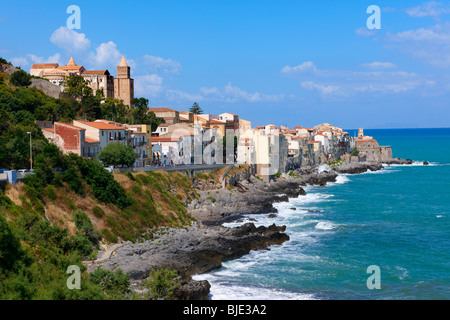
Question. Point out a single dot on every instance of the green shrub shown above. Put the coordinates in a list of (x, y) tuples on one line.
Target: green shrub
[(355, 152), (98, 212), (50, 193), (162, 282), (84, 225), (115, 285)]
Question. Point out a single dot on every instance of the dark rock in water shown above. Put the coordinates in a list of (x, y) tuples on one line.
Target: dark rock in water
[(192, 290), (293, 208), (425, 163), (272, 215), (359, 167)]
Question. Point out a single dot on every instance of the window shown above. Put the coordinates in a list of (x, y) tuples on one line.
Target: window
[(103, 133)]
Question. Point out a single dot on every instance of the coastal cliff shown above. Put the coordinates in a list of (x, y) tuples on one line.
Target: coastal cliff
[(205, 244)]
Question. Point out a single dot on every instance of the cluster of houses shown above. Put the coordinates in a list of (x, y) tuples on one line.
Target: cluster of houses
[(187, 138), (87, 138)]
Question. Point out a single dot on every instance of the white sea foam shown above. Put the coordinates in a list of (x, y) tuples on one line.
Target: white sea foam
[(325, 225), (382, 171), (223, 291), (416, 164), (340, 179)]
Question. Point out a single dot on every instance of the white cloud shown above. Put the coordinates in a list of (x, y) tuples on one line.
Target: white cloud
[(365, 32), (429, 45), (161, 65), (30, 59), (70, 40), (323, 89), (228, 94), (347, 83), (429, 9), (106, 55), (148, 85), (379, 65), (304, 67)]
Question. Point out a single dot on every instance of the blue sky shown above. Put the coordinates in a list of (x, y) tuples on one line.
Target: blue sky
[(282, 62)]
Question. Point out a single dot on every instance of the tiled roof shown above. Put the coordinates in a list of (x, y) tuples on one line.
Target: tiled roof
[(88, 140), (69, 125), (164, 139), (102, 72), (216, 122), (101, 125), (163, 109), (44, 66)]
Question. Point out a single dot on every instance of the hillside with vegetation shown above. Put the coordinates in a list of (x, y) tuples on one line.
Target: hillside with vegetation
[(60, 215)]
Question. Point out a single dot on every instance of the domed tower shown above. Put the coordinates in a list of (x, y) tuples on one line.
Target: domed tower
[(123, 84)]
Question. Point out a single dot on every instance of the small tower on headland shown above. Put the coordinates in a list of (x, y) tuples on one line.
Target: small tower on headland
[(360, 132), (123, 84)]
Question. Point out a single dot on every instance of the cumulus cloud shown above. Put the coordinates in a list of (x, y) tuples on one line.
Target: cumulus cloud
[(323, 89), (365, 32), (106, 54), (30, 59), (346, 83), (429, 45), (70, 40), (303, 67), (148, 85), (429, 9), (379, 65), (227, 94), (161, 65)]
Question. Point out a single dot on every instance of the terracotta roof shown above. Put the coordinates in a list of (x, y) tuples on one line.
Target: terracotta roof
[(216, 122), (163, 109), (88, 140), (71, 62), (365, 140), (313, 142), (164, 139), (101, 125), (44, 66), (69, 125), (102, 72), (298, 127)]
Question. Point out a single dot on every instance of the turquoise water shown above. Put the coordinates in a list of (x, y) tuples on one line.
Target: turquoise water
[(397, 219)]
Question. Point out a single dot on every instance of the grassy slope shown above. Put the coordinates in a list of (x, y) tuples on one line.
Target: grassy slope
[(157, 201)]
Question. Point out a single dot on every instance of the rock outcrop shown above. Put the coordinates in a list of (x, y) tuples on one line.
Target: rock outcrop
[(190, 251)]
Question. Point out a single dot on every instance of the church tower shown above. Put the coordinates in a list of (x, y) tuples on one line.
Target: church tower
[(123, 84)]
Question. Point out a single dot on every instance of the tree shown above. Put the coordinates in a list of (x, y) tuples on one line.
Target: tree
[(116, 153), (20, 78), (355, 152), (76, 87), (162, 283), (141, 115), (195, 109)]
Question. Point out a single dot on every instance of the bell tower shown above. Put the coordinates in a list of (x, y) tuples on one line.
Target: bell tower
[(123, 84)]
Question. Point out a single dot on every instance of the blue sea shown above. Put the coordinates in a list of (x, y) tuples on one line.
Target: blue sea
[(397, 219)]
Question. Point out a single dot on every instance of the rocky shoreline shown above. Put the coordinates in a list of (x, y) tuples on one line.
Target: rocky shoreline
[(206, 244)]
